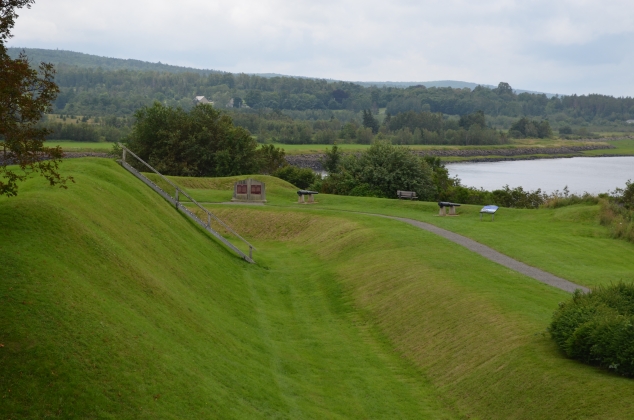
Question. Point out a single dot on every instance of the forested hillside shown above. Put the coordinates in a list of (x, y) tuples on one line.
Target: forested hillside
[(302, 110)]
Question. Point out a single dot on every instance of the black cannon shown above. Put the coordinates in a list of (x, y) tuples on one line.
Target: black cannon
[(452, 208), (302, 193)]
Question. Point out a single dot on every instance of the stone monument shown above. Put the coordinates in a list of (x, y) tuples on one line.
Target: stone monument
[(249, 191)]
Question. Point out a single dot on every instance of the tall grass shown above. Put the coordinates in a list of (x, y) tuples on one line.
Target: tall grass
[(619, 220)]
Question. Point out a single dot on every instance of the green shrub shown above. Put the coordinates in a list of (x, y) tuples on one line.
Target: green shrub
[(598, 328), (379, 171), (617, 212), (300, 177), (562, 199)]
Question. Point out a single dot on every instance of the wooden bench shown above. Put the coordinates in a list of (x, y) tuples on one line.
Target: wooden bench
[(410, 195), (452, 208)]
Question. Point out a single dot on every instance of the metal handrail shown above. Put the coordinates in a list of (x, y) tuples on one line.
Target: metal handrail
[(179, 190), (216, 218)]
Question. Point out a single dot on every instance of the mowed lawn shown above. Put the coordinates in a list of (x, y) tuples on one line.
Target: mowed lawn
[(622, 147), (568, 242), (80, 146), (476, 329), (115, 305)]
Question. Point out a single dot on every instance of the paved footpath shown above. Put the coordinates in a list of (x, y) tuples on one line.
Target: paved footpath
[(486, 252), (493, 255)]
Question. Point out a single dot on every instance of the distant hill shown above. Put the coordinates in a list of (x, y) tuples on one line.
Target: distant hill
[(78, 59), (442, 83), (71, 58), (436, 83)]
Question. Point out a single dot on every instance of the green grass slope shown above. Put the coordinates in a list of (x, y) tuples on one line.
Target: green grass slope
[(113, 305), (568, 242), (475, 329)]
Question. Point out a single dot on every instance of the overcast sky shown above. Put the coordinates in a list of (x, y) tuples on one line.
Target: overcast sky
[(559, 46)]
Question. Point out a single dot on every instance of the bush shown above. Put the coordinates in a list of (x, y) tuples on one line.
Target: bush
[(598, 328), (617, 212), (300, 177), (563, 199), (618, 219), (380, 171), (524, 127), (201, 142)]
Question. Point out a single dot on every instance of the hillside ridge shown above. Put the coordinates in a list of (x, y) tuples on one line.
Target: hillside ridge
[(85, 60)]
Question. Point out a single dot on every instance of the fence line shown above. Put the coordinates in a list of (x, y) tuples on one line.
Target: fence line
[(174, 200)]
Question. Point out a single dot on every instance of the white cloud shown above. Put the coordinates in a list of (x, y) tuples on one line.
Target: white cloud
[(561, 46)]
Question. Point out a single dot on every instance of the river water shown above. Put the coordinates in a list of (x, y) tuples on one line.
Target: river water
[(580, 174)]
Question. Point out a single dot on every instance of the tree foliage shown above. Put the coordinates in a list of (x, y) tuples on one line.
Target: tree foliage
[(271, 158), (201, 142), (530, 128), (25, 95), (332, 159), (370, 122), (380, 171), (597, 327), (300, 177)]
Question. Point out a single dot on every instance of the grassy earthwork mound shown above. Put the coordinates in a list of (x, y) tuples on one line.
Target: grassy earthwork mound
[(114, 305)]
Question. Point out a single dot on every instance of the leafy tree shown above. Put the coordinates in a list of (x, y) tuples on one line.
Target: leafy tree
[(504, 89), (201, 142), (300, 177), (380, 171), (442, 182), (530, 128), (565, 130), (477, 119), (332, 158), (370, 122), (339, 95), (253, 98), (25, 95), (271, 158)]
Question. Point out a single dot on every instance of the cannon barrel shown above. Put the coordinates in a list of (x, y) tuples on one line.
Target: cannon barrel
[(447, 204), (306, 192)]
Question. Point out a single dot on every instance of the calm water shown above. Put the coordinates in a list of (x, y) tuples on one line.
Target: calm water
[(594, 175)]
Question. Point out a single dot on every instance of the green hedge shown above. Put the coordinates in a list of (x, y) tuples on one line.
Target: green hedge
[(598, 328)]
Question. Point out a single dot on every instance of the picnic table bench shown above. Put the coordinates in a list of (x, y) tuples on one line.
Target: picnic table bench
[(452, 208), (410, 195), (302, 193)]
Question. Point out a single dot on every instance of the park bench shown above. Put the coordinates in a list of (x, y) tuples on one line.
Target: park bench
[(410, 195), (452, 208), (302, 193)]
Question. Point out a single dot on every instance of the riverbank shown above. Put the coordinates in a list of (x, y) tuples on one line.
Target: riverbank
[(313, 160)]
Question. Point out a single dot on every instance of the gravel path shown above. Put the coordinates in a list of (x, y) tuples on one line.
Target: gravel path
[(493, 255), (486, 252)]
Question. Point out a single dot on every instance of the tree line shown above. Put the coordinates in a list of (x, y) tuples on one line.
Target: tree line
[(98, 92)]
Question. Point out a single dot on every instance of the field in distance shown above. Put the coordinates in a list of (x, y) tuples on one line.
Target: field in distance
[(623, 146)]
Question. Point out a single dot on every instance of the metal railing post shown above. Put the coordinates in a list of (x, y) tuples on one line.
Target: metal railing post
[(184, 208)]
